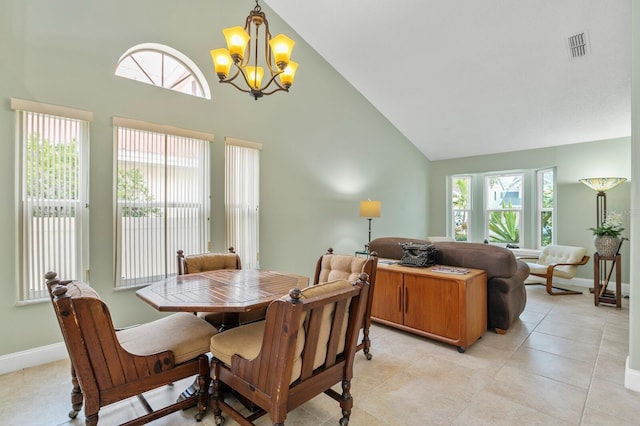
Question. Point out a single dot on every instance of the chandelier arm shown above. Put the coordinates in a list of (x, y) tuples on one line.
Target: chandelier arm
[(279, 89), (236, 86), (272, 80), (267, 48), (228, 79), (246, 80), (255, 55)]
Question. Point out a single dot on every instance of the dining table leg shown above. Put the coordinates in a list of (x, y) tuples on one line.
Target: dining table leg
[(229, 321)]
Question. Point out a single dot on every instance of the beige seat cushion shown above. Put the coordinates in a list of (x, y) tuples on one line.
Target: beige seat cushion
[(246, 340), (340, 267), (327, 313), (211, 262), (184, 334), (558, 254)]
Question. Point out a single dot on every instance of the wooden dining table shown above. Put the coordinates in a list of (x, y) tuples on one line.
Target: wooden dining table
[(229, 291)]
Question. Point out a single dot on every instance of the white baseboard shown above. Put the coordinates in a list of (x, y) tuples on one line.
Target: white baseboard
[(32, 357), (631, 378)]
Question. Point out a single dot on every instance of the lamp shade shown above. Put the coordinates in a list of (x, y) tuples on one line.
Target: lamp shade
[(281, 46), (221, 62), (289, 73), (369, 208), (602, 184), (254, 76), (237, 39)]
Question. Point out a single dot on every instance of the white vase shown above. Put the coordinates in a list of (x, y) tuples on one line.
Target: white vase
[(606, 245)]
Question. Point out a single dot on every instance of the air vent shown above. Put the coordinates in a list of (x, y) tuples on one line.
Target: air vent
[(578, 45)]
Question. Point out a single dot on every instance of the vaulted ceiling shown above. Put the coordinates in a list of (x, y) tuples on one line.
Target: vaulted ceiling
[(469, 77)]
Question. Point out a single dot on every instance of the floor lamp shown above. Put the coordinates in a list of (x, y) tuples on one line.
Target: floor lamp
[(602, 185), (369, 209)]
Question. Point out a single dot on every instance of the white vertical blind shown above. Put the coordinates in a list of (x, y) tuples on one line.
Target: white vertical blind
[(162, 203), (54, 182), (242, 199)]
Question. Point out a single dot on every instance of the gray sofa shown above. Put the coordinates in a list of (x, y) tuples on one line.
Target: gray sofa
[(506, 294)]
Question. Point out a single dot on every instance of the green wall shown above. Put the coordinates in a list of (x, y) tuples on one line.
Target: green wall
[(576, 208), (325, 147)]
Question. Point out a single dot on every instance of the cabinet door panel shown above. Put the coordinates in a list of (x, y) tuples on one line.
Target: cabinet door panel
[(387, 298), (432, 305)]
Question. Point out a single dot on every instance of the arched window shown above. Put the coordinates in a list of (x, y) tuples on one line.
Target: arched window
[(163, 66)]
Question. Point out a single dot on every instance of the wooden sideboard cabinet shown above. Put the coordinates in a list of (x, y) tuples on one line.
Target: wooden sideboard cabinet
[(446, 307)]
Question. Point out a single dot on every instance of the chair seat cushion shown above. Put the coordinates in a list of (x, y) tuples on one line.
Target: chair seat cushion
[(245, 341), (559, 271), (184, 334)]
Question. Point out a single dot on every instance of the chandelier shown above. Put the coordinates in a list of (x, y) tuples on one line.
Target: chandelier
[(249, 40)]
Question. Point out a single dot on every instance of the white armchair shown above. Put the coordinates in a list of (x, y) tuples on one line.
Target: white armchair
[(558, 261)]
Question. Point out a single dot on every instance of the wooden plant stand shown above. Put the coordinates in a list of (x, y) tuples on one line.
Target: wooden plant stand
[(601, 280)]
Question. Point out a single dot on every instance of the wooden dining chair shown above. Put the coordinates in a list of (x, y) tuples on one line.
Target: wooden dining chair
[(304, 347), (332, 266), (194, 263), (109, 366)]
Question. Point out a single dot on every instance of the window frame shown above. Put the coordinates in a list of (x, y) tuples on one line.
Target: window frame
[(468, 211), (73, 265), (540, 205), (164, 189), (165, 51), (519, 210), (242, 199)]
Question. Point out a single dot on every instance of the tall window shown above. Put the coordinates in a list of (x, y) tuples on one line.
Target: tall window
[(162, 200), (242, 199), (53, 222), (461, 207), (503, 208), (163, 66), (546, 204)]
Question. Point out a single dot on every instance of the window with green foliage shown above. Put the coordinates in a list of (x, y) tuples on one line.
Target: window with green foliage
[(162, 202), (503, 212), (515, 207), (546, 203), (461, 207), (53, 220)]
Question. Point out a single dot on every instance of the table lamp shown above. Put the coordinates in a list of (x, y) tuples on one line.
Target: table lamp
[(369, 209)]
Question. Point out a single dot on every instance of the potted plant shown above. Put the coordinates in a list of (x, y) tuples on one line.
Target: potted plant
[(607, 235)]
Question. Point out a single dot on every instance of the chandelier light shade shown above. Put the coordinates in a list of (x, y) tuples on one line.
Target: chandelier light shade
[(244, 46), (369, 209), (602, 184)]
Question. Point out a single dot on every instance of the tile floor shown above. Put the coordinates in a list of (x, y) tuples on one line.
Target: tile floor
[(561, 364)]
